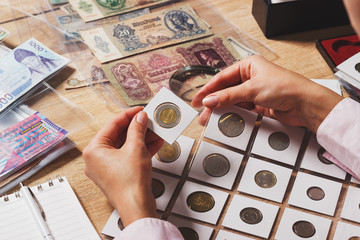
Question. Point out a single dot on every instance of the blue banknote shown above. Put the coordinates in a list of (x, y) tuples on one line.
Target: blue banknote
[(22, 69)]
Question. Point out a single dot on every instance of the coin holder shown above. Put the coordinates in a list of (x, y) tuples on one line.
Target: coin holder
[(248, 182), (241, 141), (226, 235), (170, 184), (350, 209), (354, 180), (299, 196), (177, 166), (187, 115), (262, 229), (211, 216), (197, 170), (346, 231), (202, 231), (291, 216), (311, 161), (331, 84), (270, 126)]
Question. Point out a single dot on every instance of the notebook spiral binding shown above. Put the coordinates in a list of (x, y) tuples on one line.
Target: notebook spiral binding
[(38, 185)]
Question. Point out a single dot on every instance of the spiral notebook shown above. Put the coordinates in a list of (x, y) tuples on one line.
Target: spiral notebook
[(64, 214)]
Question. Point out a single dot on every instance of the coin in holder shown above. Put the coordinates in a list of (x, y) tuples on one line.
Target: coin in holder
[(157, 188), (231, 124), (279, 141), (189, 233), (315, 193), (322, 158), (216, 165), (304, 229), (200, 201), (169, 152), (167, 115), (265, 179), (251, 215)]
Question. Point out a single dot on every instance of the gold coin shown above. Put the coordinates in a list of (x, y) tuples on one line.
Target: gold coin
[(216, 165), (354, 238), (169, 153), (167, 115), (304, 229), (231, 124), (157, 187), (200, 201), (265, 179), (189, 233)]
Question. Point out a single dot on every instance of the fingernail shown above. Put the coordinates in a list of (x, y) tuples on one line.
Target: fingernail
[(142, 118), (211, 101)]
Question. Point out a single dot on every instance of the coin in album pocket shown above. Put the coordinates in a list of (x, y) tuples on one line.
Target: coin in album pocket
[(200, 201), (169, 115)]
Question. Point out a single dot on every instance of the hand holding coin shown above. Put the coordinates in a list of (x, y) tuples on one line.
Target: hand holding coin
[(118, 160)]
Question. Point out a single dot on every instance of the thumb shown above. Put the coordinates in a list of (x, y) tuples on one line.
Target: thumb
[(137, 128)]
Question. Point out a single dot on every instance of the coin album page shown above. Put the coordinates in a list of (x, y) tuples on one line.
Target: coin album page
[(273, 184)]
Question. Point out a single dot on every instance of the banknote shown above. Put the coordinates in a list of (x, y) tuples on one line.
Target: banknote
[(151, 31), (137, 79), (68, 8), (22, 69), (55, 2), (91, 10), (27, 139), (3, 33), (241, 48), (97, 75), (72, 23)]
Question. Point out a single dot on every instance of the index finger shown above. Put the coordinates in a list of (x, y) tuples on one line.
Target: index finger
[(109, 134), (226, 78)]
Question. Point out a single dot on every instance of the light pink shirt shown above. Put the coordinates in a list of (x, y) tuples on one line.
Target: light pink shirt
[(339, 135)]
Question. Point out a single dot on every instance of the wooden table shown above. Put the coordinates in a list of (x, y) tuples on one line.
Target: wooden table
[(295, 51)]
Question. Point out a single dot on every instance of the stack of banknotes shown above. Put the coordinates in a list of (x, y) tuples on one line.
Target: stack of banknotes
[(138, 51)]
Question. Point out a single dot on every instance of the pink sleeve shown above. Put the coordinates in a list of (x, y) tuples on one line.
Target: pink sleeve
[(150, 229), (339, 135)]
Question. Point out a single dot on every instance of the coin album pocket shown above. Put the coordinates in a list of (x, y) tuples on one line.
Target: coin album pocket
[(191, 230), (231, 126), (314, 161), (351, 210), (216, 165), (226, 235), (168, 115), (172, 157), (251, 216), (200, 202), (265, 180), (277, 141), (298, 225), (163, 187), (315, 193), (346, 231)]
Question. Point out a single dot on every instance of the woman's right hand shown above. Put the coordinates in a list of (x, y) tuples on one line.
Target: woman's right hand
[(270, 90)]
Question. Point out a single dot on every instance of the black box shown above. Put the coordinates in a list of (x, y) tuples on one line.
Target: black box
[(298, 15)]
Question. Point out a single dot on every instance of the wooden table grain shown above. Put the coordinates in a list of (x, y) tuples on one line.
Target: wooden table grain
[(296, 52)]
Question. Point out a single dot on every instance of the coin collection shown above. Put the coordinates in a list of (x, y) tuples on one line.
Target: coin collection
[(260, 180)]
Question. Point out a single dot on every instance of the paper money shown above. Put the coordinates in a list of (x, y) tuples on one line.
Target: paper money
[(151, 31), (68, 8), (55, 2), (97, 76), (240, 48), (22, 69), (27, 139), (3, 33), (91, 10), (139, 78)]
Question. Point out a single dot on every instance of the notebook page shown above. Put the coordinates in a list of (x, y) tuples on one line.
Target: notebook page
[(64, 214)]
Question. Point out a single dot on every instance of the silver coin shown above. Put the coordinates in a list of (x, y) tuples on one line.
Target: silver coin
[(304, 229), (120, 224), (216, 165), (167, 115), (189, 233), (169, 153), (279, 141), (265, 179), (322, 158), (251, 215), (357, 67), (231, 124), (315, 193)]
